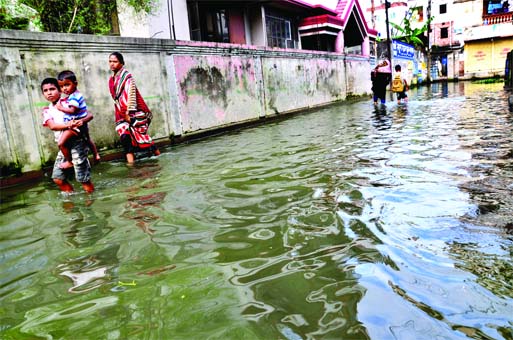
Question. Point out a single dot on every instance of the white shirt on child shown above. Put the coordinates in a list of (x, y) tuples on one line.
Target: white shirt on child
[(51, 113)]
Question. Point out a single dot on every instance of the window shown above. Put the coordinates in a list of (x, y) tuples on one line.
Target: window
[(216, 26), (372, 48), (208, 24), (194, 24), (353, 49), (279, 32), (496, 6), (444, 32), (443, 8)]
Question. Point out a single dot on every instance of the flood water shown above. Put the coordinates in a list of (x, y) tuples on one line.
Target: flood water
[(343, 223)]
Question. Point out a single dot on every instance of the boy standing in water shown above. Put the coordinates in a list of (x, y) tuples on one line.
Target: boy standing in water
[(399, 85), (74, 107), (54, 120)]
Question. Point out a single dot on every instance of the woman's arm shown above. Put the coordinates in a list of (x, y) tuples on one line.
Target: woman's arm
[(124, 100), (132, 95)]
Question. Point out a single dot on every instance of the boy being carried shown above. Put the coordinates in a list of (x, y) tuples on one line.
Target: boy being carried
[(399, 85), (74, 107)]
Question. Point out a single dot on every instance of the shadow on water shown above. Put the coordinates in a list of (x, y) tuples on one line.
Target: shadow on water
[(347, 222)]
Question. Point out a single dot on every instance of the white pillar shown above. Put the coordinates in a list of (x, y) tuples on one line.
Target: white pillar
[(339, 42), (366, 47)]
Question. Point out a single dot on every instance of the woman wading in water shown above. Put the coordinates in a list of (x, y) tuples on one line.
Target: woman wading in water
[(132, 115)]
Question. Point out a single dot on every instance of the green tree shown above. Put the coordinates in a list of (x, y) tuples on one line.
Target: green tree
[(409, 35), (14, 15), (79, 16)]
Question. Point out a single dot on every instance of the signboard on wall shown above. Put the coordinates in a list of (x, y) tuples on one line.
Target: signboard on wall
[(417, 14), (402, 50)]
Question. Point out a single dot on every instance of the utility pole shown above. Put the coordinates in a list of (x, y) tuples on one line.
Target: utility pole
[(373, 17), (428, 76), (389, 42)]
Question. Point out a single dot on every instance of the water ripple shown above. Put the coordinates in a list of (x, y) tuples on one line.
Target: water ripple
[(339, 223)]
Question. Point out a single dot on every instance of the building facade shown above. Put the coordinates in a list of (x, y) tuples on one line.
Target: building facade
[(286, 24), (466, 39), (488, 41)]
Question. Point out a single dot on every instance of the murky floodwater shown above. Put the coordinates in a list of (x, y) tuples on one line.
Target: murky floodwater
[(342, 223)]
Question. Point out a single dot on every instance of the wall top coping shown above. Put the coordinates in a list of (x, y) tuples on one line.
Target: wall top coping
[(29, 41)]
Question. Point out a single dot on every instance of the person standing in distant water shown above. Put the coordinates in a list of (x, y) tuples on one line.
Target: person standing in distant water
[(400, 85), (380, 77), (132, 115)]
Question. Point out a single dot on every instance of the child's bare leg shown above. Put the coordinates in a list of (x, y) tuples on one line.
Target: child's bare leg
[(66, 137), (130, 158), (65, 164), (94, 150), (88, 186), (63, 185)]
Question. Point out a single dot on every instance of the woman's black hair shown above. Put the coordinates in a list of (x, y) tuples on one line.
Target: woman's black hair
[(119, 56)]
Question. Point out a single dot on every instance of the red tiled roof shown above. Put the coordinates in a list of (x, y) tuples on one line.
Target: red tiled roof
[(300, 2), (321, 20), (317, 8), (345, 8)]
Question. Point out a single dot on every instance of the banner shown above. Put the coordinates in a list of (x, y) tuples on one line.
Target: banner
[(402, 50)]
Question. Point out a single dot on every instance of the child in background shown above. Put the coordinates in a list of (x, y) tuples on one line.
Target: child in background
[(399, 85), (74, 107)]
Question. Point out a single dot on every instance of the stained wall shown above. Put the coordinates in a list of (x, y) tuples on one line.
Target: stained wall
[(191, 87)]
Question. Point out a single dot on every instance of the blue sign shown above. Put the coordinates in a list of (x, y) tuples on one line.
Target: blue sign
[(402, 50)]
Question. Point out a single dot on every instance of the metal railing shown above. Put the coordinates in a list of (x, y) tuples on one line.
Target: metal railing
[(498, 18)]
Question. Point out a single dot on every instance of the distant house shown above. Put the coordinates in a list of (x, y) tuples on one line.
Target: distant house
[(473, 44), (346, 31), (288, 24), (467, 38), (489, 40), (446, 37), (259, 23)]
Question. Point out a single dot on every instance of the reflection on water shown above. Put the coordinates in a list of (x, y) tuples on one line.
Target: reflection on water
[(137, 206), (347, 223), (90, 271)]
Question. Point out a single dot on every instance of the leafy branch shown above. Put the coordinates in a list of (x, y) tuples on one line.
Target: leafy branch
[(78, 16), (412, 36)]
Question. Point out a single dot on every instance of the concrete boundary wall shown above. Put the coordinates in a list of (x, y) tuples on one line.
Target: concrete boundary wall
[(191, 87)]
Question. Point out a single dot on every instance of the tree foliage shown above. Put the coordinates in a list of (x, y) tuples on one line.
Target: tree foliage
[(14, 15), (409, 35), (9, 21), (78, 16)]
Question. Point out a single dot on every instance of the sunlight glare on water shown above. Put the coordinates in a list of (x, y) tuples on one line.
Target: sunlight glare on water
[(345, 223)]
